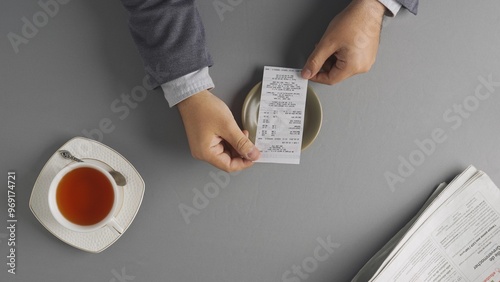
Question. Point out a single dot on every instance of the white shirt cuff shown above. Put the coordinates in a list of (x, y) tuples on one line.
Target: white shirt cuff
[(186, 86), (392, 6)]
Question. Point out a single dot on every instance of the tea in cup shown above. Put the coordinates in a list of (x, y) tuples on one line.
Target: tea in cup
[(83, 197)]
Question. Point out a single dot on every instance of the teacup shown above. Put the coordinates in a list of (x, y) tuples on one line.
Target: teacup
[(83, 197)]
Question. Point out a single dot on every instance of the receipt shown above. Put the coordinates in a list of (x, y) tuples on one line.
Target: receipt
[(281, 115)]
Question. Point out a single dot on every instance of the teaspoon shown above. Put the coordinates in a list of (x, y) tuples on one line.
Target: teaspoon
[(117, 176)]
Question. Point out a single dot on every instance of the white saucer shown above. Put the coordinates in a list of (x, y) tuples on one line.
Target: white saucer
[(100, 154)]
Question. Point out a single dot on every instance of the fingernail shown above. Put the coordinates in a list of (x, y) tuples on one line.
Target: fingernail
[(254, 154), (306, 73)]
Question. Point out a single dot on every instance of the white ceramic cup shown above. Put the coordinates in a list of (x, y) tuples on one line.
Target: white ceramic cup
[(109, 220)]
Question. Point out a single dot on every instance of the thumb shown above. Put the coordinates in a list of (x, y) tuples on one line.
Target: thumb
[(240, 142), (316, 60)]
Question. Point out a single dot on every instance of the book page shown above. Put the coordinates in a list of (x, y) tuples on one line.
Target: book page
[(435, 201), (460, 242)]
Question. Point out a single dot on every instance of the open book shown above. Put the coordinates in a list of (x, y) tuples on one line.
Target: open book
[(454, 237)]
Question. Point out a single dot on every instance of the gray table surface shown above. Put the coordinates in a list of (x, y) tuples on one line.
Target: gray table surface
[(270, 218)]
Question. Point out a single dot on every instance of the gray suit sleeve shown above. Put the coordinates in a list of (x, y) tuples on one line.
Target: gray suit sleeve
[(170, 37), (411, 5)]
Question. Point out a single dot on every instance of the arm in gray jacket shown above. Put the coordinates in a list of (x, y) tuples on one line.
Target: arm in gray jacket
[(411, 5), (170, 37)]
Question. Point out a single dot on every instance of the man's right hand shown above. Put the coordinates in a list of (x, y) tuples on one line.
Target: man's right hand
[(214, 135)]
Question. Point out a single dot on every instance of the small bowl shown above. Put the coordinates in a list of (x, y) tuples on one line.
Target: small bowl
[(312, 120)]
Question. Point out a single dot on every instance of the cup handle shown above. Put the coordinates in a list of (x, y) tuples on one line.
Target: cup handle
[(114, 225)]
